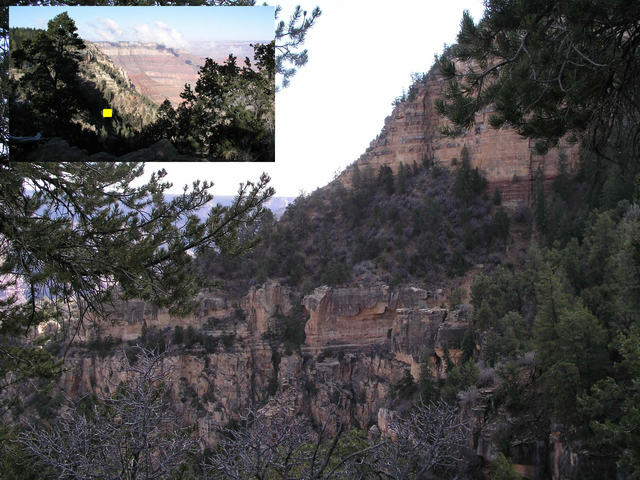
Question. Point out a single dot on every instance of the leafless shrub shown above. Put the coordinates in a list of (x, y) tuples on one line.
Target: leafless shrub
[(486, 377), (281, 444), (131, 434), (528, 359), (468, 397), (428, 441)]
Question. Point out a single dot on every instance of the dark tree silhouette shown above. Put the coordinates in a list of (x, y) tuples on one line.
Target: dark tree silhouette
[(50, 80)]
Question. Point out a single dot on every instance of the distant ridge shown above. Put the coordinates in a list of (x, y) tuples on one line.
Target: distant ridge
[(161, 72), (156, 71)]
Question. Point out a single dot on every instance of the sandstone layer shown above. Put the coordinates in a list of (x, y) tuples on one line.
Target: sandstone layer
[(412, 132), (359, 343), (158, 72)]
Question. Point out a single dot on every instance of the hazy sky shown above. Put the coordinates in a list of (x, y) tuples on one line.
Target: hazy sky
[(171, 26)]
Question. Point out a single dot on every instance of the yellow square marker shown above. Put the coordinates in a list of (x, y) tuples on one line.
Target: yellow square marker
[(107, 112)]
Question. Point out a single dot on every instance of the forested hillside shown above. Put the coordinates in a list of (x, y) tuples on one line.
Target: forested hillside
[(399, 323), (423, 225)]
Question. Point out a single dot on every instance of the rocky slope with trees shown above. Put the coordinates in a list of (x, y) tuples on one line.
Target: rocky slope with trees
[(400, 324)]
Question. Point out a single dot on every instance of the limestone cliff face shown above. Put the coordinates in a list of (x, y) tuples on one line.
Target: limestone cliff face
[(357, 316), (348, 316), (127, 319), (208, 389), (359, 343), (419, 334), (412, 131), (265, 303)]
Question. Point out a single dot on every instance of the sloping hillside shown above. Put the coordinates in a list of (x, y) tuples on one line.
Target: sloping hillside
[(96, 84), (114, 90)]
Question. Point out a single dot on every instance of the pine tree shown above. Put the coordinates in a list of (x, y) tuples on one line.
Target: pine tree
[(229, 114), (50, 80), (468, 181), (539, 202), (79, 235), (401, 178), (503, 469), (549, 70), (570, 343), (385, 179)]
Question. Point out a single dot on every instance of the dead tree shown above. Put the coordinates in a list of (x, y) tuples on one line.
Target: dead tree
[(284, 445), (426, 442), (132, 434)]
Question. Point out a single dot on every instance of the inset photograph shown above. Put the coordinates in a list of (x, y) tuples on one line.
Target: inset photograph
[(142, 84)]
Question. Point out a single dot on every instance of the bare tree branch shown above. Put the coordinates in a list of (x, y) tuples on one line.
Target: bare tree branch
[(131, 434)]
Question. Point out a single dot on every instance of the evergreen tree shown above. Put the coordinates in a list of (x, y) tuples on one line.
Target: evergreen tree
[(50, 80), (468, 182), (468, 344), (356, 179), (77, 236), (539, 202), (401, 178), (229, 115), (549, 69), (614, 404), (405, 387), (166, 124), (427, 388), (503, 469), (497, 197), (500, 224), (385, 179), (570, 343)]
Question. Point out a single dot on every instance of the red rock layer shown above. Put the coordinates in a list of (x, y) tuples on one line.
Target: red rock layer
[(157, 72)]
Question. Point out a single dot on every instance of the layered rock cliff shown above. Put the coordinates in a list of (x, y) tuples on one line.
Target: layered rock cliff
[(160, 72), (359, 343), (412, 132), (156, 71)]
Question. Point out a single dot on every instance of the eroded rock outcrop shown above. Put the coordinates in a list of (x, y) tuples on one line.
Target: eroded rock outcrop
[(421, 335), (264, 304), (126, 320), (412, 131), (207, 389), (356, 316), (359, 343), (348, 316)]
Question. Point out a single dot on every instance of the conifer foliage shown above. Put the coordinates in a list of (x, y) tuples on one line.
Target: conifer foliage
[(50, 65), (549, 69), (230, 113), (75, 236)]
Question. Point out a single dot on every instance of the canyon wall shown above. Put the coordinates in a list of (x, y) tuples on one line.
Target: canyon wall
[(412, 132), (160, 72), (156, 71), (359, 342)]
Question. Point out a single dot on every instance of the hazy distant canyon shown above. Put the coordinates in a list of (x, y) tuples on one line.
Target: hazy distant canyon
[(160, 72)]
